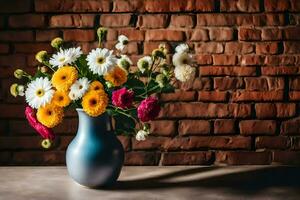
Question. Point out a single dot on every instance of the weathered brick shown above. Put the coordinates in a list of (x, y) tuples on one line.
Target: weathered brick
[(258, 127), (79, 35), (243, 158), (199, 35), (163, 127), (210, 47), (276, 5), (239, 48), (221, 34), (28, 20), (249, 34), (271, 34), (211, 96), (227, 71), (264, 83), (194, 127), (268, 110), (141, 158), (257, 96), (15, 6), (267, 48), (240, 5), (187, 158), (16, 36), (169, 35), (271, 142), (228, 83), (224, 126), (182, 21), (113, 20), (286, 157), (224, 59), (178, 96), (152, 21), (290, 127), (128, 6), (72, 20)]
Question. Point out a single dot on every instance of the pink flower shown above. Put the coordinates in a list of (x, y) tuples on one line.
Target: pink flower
[(122, 98), (148, 109), (45, 132)]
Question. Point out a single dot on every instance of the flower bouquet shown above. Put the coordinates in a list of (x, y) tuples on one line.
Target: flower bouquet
[(101, 81)]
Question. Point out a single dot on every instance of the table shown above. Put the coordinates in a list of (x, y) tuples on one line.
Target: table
[(155, 183)]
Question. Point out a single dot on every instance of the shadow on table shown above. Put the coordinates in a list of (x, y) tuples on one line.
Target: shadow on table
[(248, 181)]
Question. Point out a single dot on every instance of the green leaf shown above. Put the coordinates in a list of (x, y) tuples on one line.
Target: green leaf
[(124, 124), (168, 89)]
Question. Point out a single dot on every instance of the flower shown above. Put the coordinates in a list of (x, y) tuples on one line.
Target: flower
[(181, 58), (144, 63), (45, 132), (159, 53), (39, 92), (65, 56), (21, 90), (101, 61), (57, 42), (64, 77), (122, 98), (94, 103), (124, 62), (96, 86), (19, 73), (117, 76), (14, 89), (50, 115), (79, 88), (184, 73), (161, 79), (182, 48), (41, 56), (101, 33), (148, 109), (122, 41), (46, 143), (61, 99), (141, 135)]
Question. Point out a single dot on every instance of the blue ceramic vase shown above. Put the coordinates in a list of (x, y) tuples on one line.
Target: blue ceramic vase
[(95, 156)]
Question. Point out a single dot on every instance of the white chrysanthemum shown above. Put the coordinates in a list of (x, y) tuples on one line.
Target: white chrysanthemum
[(184, 73), (141, 135), (79, 88), (181, 59), (124, 62), (182, 48), (144, 63), (65, 56), (122, 41), (39, 92), (101, 61)]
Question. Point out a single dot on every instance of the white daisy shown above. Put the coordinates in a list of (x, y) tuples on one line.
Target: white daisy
[(144, 63), (65, 56), (124, 62), (79, 88), (184, 73), (182, 48), (39, 92), (181, 59), (141, 135), (122, 42), (101, 61)]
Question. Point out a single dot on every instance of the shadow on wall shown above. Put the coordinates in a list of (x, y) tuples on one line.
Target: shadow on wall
[(233, 179)]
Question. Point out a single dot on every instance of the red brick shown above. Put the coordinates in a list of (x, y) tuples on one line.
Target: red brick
[(209, 110), (15, 6), (212, 96), (178, 96), (286, 157), (271, 142), (257, 96), (194, 127), (269, 19), (264, 83), (291, 33), (187, 158), (280, 70), (177, 6), (72, 6), (197, 84), (205, 5), (157, 6), (163, 127), (16, 36), (267, 48), (132, 34), (249, 34), (224, 126), (290, 127), (252, 60), (295, 143), (39, 157), (12, 60), (182, 21), (239, 48), (28, 20), (225, 59), (151, 143), (152, 21), (46, 35), (258, 127), (227, 71), (209, 47), (294, 96), (244, 20), (4, 48), (239, 5), (72, 20), (20, 143), (128, 6), (295, 5), (203, 59), (271, 34), (276, 5), (279, 60), (141, 158), (243, 158), (169, 35), (199, 35), (32, 47), (215, 20), (268, 110), (79, 35), (295, 83), (115, 20), (228, 83), (291, 47)]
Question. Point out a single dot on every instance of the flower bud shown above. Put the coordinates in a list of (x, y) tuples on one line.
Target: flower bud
[(44, 69), (57, 42), (109, 84), (21, 90), (46, 143), (158, 53), (41, 56), (101, 32), (18, 73), (14, 89), (162, 80)]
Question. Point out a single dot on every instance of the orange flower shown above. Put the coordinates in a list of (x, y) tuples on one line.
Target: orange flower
[(117, 76)]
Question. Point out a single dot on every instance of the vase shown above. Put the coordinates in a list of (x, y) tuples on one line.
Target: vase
[(95, 156)]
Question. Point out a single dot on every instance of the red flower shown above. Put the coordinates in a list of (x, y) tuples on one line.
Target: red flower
[(148, 109), (45, 132), (122, 98)]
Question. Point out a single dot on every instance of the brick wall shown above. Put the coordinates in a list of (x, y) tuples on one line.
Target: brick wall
[(243, 107)]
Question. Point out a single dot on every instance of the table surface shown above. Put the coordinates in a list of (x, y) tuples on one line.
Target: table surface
[(155, 183)]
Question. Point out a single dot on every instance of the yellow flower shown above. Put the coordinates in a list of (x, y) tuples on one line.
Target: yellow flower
[(64, 77), (117, 76), (57, 42), (61, 99), (94, 102), (50, 115), (96, 86), (41, 56)]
